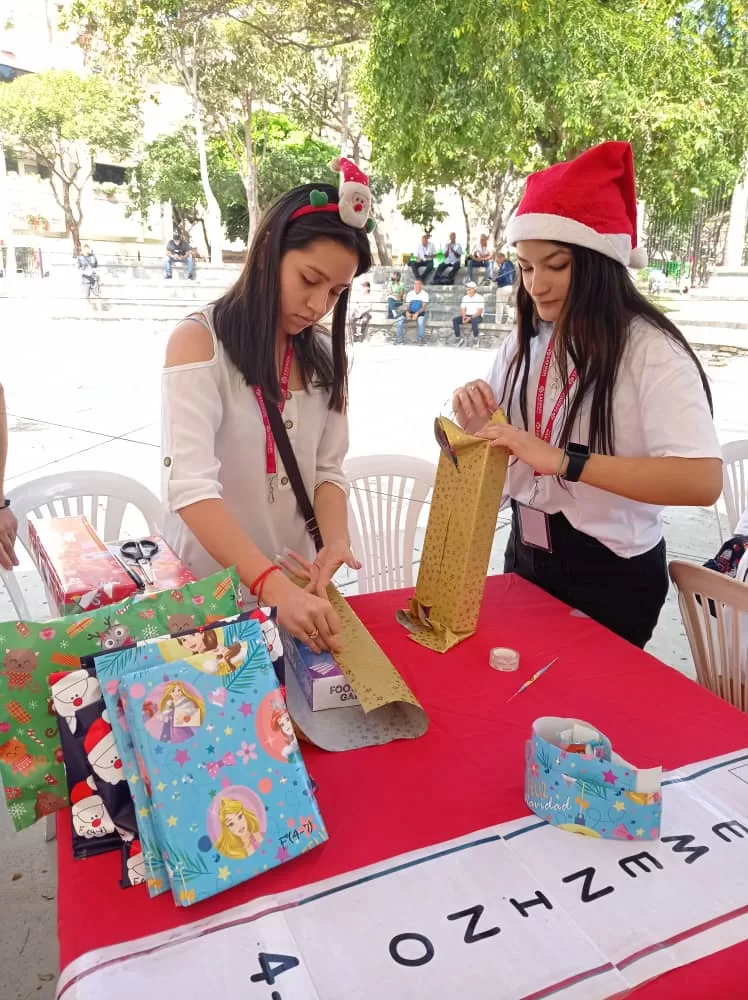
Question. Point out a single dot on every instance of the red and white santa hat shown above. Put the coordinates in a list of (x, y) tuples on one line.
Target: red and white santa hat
[(99, 731), (351, 172), (81, 790), (589, 202)]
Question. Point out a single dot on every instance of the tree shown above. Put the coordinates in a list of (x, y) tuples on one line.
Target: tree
[(170, 37), (422, 210), (223, 53), (506, 88), (61, 119), (170, 171)]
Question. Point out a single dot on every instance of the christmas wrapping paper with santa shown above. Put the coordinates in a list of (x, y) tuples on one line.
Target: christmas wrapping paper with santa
[(207, 650), (218, 758), (102, 809), (30, 752)]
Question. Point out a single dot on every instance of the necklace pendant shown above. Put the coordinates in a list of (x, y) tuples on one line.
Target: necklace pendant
[(271, 489)]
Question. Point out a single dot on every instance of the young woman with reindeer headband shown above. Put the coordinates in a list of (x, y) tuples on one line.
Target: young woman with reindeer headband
[(609, 409), (255, 352)]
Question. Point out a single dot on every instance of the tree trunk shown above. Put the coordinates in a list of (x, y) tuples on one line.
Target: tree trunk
[(213, 212), (8, 265), (384, 246), (72, 225), (735, 242), (466, 217), (250, 177)]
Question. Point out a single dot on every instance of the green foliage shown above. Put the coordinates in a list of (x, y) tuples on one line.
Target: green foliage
[(46, 113), (422, 210), (60, 119), (481, 85), (285, 157)]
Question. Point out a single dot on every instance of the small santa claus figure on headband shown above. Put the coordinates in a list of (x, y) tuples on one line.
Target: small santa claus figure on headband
[(354, 195)]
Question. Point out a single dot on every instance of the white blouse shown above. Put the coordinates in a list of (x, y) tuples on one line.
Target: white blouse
[(659, 410), (213, 447)]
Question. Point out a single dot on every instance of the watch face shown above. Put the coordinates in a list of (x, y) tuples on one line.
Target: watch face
[(578, 449)]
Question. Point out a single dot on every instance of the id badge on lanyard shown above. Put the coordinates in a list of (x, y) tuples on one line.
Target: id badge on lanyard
[(534, 525)]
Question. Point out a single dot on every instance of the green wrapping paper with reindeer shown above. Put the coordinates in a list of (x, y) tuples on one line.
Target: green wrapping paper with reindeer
[(459, 536), (31, 765)]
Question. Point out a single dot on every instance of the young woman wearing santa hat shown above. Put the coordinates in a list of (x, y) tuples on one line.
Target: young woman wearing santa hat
[(231, 370), (609, 409)]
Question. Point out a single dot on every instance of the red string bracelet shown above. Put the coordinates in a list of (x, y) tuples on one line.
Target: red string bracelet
[(255, 588)]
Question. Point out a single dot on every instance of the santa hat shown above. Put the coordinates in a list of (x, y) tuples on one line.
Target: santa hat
[(589, 202), (98, 732), (351, 172), (81, 790)]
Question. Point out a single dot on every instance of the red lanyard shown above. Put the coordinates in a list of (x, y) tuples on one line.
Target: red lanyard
[(271, 466), (540, 397)]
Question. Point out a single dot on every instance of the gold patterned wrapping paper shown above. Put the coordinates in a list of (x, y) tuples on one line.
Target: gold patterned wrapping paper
[(459, 537), (387, 710)]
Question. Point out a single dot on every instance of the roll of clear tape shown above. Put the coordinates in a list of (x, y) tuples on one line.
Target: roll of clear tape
[(503, 659)]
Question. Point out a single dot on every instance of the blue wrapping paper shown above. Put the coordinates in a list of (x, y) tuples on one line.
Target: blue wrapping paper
[(575, 781)]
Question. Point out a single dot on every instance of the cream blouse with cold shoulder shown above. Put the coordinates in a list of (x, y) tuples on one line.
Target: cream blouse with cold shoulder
[(213, 447)]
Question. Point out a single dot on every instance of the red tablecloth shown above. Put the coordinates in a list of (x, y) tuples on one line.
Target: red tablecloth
[(447, 783)]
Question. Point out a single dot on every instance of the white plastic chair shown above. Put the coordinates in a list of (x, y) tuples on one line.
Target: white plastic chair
[(387, 498), (734, 483), (102, 497), (719, 641)]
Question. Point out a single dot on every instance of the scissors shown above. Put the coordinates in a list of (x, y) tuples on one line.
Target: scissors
[(141, 551)]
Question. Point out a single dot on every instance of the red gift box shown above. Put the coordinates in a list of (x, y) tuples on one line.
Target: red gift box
[(78, 570)]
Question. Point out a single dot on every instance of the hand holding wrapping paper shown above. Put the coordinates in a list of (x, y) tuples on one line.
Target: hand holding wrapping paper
[(387, 709), (459, 535), (574, 780)]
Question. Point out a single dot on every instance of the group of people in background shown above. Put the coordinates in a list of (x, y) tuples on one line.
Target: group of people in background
[(496, 266), (411, 306)]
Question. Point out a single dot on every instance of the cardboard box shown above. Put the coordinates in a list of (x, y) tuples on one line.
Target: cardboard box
[(322, 681), (78, 571), (459, 537)]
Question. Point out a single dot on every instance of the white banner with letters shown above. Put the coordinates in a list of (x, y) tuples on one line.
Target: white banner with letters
[(520, 910)]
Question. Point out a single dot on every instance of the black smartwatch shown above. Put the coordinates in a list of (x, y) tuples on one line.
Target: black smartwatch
[(577, 455)]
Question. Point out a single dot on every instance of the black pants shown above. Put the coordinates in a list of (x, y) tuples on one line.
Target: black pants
[(422, 269), (446, 274), (625, 595)]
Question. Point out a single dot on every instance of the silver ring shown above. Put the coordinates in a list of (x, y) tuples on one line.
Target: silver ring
[(314, 634)]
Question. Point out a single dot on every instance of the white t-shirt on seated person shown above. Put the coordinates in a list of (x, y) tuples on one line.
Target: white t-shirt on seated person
[(414, 301), (472, 304), (659, 411)]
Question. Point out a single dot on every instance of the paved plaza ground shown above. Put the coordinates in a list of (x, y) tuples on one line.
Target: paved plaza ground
[(86, 396)]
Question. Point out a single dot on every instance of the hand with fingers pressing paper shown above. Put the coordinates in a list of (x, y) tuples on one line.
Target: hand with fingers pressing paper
[(473, 405)]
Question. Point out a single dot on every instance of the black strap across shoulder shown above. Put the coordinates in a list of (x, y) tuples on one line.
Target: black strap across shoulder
[(285, 449)]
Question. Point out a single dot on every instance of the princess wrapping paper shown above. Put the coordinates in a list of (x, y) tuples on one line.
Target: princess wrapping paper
[(228, 793), (459, 536), (209, 650)]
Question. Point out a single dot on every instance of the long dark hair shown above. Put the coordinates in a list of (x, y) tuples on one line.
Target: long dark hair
[(246, 316), (593, 330)]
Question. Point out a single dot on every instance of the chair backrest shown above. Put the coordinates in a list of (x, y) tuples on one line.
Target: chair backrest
[(387, 498), (734, 482), (102, 497), (715, 614)]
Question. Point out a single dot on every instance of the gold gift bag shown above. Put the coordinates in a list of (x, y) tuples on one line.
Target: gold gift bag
[(459, 535)]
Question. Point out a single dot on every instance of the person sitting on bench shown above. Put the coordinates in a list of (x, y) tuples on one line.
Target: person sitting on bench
[(446, 272)]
